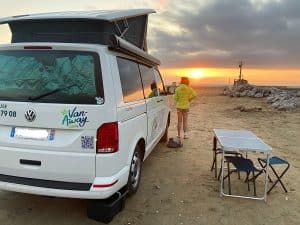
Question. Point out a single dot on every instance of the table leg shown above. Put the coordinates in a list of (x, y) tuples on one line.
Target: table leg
[(229, 184), (254, 185), (222, 175), (215, 156), (266, 177)]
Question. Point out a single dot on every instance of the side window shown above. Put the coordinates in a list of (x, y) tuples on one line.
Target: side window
[(149, 83), (160, 84), (130, 80)]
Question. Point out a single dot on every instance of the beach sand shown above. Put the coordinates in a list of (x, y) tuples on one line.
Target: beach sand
[(177, 185)]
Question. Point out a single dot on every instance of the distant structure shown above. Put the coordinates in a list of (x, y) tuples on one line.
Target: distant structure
[(241, 80), (241, 66), (171, 88)]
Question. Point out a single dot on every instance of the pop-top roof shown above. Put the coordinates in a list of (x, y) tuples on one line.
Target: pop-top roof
[(121, 30), (106, 15)]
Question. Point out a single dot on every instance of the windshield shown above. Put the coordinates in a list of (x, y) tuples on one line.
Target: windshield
[(52, 76)]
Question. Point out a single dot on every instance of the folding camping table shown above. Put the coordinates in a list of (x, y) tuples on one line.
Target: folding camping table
[(241, 141)]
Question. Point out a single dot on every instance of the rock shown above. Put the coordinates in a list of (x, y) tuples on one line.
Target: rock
[(226, 91), (259, 95), (252, 93), (156, 187), (276, 104), (240, 108), (243, 94), (266, 93), (237, 94), (271, 99), (244, 109), (241, 89), (254, 109)]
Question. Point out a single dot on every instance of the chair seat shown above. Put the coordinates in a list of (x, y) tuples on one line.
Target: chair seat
[(242, 164), (275, 160)]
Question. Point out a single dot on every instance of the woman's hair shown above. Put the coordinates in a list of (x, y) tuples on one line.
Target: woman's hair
[(185, 80), (153, 85)]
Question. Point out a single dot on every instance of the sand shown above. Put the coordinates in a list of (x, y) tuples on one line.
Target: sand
[(178, 187)]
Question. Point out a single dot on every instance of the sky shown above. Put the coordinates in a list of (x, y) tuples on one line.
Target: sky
[(203, 39)]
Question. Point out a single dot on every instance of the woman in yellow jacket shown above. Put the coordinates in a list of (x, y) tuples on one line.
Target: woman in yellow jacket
[(183, 96)]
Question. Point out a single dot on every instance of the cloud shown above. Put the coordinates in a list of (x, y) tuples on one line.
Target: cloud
[(220, 33), (214, 33)]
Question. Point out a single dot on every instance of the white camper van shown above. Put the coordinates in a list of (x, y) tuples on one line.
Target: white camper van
[(82, 103)]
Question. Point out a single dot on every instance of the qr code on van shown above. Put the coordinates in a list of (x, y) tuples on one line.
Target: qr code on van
[(87, 142)]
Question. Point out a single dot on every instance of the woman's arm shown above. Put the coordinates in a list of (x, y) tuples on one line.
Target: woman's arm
[(175, 96), (193, 94)]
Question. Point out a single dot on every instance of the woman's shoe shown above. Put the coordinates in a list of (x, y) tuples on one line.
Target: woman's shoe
[(186, 136)]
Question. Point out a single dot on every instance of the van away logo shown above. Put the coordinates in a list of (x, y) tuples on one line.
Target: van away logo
[(73, 118)]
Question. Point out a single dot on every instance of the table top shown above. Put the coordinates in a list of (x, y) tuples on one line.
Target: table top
[(242, 140), (234, 133)]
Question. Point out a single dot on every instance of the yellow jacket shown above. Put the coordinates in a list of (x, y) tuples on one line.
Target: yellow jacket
[(183, 96)]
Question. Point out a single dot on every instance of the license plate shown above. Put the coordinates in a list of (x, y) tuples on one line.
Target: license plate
[(32, 133)]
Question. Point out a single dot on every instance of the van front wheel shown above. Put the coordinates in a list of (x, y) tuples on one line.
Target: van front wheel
[(135, 171), (164, 138)]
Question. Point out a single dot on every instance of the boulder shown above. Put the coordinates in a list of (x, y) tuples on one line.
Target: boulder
[(271, 99), (259, 95), (251, 93)]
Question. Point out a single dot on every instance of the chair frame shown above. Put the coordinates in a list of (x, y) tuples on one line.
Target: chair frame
[(264, 164), (253, 179)]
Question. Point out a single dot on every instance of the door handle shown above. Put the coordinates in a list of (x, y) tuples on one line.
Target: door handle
[(30, 162), (159, 100)]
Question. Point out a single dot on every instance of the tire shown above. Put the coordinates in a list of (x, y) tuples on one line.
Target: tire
[(135, 171), (164, 138)]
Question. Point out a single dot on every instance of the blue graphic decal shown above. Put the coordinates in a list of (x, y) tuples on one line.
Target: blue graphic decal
[(12, 132), (73, 118), (51, 135)]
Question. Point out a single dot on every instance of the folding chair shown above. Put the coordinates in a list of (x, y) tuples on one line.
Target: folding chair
[(216, 152), (228, 156), (274, 161), (241, 165)]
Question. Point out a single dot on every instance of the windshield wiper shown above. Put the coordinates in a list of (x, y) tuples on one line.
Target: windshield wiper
[(50, 93)]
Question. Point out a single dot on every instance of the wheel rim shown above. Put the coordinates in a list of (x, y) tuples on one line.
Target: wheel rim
[(135, 170)]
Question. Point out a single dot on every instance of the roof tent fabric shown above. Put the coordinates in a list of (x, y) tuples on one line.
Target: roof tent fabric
[(79, 30)]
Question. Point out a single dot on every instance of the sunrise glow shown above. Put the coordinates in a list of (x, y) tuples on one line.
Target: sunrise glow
[(225, 76), (196, 73)]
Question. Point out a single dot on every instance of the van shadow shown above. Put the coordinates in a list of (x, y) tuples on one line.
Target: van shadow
[(19, 208)]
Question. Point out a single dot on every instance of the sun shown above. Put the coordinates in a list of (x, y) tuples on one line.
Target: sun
[(196, 73)]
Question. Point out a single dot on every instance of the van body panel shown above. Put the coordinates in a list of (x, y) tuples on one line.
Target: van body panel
[(55, 166), (70, 154), (130, 132)]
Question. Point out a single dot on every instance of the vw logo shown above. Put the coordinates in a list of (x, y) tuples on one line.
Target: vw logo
[(30, 115)]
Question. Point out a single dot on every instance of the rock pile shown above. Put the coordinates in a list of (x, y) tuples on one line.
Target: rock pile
[(245, 109), (279, 98)]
